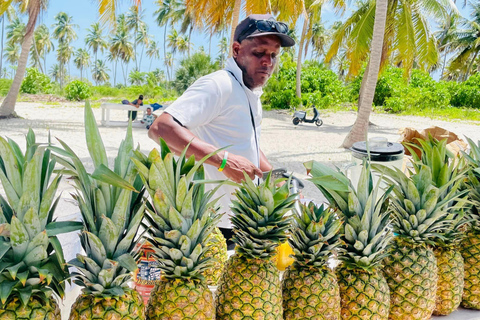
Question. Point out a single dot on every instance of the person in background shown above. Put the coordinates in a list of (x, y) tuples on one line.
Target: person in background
[(136, 103), (148, 118), (224, 109)]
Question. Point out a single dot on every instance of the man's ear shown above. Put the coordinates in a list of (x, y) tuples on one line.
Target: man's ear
[(235, 48)]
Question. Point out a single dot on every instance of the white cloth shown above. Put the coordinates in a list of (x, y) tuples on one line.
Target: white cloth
[(215, 108)]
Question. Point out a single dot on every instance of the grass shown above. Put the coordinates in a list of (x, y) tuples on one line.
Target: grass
[(447, 114)]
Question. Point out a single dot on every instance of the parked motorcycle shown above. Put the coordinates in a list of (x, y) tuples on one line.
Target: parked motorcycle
[(301, 116)]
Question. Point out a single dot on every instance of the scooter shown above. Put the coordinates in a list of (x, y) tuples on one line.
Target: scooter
[(301, 116)]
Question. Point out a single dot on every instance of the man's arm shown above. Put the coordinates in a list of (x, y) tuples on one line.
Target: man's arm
[(265, 166), (178, 137)]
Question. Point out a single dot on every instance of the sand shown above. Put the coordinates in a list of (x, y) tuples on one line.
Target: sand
[(284, 144)]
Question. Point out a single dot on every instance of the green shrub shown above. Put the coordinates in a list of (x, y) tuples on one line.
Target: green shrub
[(418, 98), (192, 68), (467, 94), (5, 86), (77, 90), (107, 91), (36, 82)]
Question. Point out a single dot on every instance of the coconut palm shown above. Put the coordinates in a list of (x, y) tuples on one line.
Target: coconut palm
[(81, 60), (153, 52), (121, 46), (64, 54), (467, 43), (172, 42), (183, 44), (167, 13), (100, 72), (222, 51), (113, 58), (142, 38), (318, 39), (136, 78), (43, 43), (370, 77), (446, 36), (64, 30), (134, 21), (408, 37), (95, 40), (169, 65), (9, 15), (33, 7), (16, 31), (11, 54), (55, 72)]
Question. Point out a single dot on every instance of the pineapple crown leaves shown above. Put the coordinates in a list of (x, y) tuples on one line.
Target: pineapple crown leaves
[(366, 234), (315, 235), (31, 257), (259, 220), (181, 214), (419, 216), (473, 184), (111, 204)]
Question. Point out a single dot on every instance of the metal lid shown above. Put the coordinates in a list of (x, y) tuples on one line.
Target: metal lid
[(379, 150)]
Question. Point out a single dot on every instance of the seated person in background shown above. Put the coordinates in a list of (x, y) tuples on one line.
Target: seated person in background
[(148, 118), (136, 103)]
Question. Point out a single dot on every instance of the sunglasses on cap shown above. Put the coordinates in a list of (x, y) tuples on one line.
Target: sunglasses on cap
[(263, 26)]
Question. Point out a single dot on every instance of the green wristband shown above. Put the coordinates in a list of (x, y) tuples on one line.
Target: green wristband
[(224, 162)]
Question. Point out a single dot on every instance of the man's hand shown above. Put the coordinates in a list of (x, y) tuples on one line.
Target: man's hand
[(236, 165)]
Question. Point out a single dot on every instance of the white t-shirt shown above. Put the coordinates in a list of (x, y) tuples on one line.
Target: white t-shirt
[(215, 108)]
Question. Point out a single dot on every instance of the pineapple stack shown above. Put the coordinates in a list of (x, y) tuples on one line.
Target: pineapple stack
[(179, 222), (32, 267), (249, 287), (445, 169), (470, 247), (363, 289), (419, 218), (112, 209), (310, 288)]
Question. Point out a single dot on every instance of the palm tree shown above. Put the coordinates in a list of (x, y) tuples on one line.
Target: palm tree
[(172, 42), (100, 72), (33, 7), (95, 40), (121, 46), (369, 82), (153, 52), (183, 44), (318, 39), (81, 60), (10, 15), (167, 13), (64, 32), (113, 58), (64, 54), (136, 78), (43, 43), (467, 43), (55, 72), (408, 38), (11, 53), (16, 31), (134, 21), (169, 65), (446, 36), (222, 51), (142, 38)]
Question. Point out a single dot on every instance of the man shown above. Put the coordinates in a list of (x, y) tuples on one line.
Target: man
[(135, 103), (224, 109)]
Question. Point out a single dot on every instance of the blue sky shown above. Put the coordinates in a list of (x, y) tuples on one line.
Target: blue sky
[(85, 13)]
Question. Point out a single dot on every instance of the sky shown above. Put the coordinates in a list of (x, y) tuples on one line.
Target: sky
[(85, 13)]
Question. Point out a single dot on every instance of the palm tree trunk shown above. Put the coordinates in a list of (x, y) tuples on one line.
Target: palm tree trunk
[(81, 74), (189, 37), (114, 72), (36, 53), (96, 82), (210, 45), (360, 127), (300, 53), (8, 106), (150, 65), (470, 66), (444, 63), (165, 43), (235, 18), (1, 50), (141, 56), (135, 47)]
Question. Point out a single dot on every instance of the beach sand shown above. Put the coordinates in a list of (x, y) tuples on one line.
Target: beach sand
[(284, 144)]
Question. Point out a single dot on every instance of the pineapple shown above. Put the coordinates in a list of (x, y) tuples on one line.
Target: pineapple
[(470, 247), (364, 291), (419, 218), (112, 209), (32, 266), (249, 287), (310, 288), (445, 168), (180, 220), (218, 250)]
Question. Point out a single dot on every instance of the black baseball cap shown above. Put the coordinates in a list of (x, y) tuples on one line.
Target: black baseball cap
[(256, 25)]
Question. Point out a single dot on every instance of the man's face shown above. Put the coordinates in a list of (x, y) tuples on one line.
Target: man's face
[(149, 111), (257, 57)]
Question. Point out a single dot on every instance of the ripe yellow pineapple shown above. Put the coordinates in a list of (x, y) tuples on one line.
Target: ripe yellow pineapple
[(309, 286), (179, 225), (419, 219), (32, 267), (218, 251), (364, 291), (445, 169), (112, 208), (249, 287), (470, 247)]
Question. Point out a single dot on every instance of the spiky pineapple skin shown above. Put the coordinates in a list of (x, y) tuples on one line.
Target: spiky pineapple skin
[(412, 276), (470, 250), (310, 294), (363, 295), (249, 289), (174, 300), (33, 310), (218, 250), (450, 281), (126, 307)]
